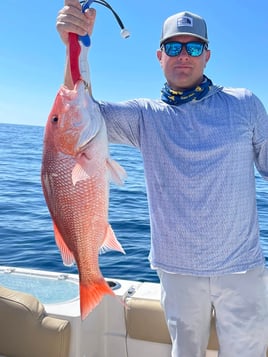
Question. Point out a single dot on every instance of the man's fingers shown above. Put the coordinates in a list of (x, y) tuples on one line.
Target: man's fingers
[(91, 17)]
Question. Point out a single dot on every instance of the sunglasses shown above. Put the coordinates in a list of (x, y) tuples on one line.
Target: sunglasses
[(193, 49)]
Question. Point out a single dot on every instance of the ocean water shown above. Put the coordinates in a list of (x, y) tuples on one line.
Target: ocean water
[(26, 235)]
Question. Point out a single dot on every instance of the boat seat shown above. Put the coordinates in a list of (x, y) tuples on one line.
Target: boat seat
[(145, 321), (27, 331)]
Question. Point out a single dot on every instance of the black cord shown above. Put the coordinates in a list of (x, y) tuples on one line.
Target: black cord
[(108, 6)]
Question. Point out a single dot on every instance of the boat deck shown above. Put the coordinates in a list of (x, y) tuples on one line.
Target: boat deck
[(130, 324)]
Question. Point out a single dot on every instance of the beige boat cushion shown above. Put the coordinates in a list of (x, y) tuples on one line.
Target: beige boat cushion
[(146, 321), (27, 331)]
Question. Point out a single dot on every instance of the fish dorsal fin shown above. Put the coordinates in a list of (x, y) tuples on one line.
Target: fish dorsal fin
[(117, 173), (66, 254), (110, 242)]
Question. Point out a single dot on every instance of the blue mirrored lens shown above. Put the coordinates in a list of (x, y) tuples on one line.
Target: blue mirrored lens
[(173, 49), (193, 49)]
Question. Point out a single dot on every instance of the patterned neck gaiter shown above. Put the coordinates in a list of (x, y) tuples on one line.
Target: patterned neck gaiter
[(173, 97)]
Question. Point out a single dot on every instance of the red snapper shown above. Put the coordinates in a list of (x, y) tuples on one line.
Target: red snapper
[(76, 169)]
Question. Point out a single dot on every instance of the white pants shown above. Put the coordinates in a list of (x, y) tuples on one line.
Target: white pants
[(240, 302)]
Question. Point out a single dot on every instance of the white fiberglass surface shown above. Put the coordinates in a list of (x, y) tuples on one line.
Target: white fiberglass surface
[(48, 289)]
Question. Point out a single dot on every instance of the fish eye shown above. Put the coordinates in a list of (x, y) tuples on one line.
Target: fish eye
[(54, 119)]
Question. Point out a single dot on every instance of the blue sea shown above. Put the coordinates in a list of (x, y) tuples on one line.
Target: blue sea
[(26, 235)]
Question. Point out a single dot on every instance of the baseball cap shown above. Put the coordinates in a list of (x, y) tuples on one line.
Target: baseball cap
[(184, 23)]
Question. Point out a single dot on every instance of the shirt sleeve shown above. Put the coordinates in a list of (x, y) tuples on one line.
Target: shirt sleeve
[(123, 122), (260, 136)]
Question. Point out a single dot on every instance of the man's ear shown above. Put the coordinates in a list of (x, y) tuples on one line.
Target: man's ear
[(208, 53), (159, 55)]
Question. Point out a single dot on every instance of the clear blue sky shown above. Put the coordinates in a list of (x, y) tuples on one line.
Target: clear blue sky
[(32, 55)]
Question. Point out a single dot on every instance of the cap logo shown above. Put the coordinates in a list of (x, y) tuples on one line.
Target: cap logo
[(185, 21)]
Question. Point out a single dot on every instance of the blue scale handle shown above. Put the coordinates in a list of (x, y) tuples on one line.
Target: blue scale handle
[(86, 39)]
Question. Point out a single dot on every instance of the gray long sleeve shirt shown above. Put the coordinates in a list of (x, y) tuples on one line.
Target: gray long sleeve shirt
[(199, 170)]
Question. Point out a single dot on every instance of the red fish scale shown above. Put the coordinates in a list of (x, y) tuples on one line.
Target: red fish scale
[(80, 211)]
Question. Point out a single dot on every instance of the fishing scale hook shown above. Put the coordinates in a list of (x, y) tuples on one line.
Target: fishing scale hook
[(86, 4)]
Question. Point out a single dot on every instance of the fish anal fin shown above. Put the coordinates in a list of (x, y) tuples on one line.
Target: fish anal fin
[(91, 295), (116, 172), (110, 242), (66, 254)]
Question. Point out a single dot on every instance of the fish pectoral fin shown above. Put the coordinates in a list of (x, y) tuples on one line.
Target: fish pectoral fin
[(116, 172), (66, 254), (110, 242), (83, 169), (79, 174)]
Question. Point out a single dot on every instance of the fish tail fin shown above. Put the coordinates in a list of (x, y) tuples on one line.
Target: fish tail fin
[(110, 242), (91, 295), (117, 172)]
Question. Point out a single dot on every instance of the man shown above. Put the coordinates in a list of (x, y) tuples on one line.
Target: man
[(199, 145)]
